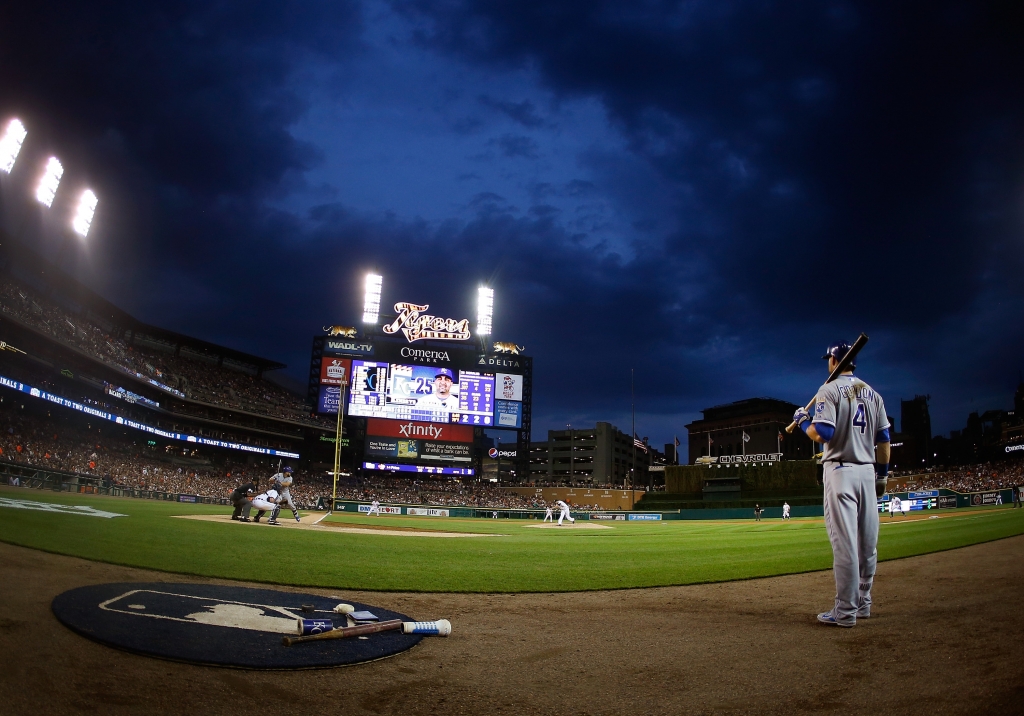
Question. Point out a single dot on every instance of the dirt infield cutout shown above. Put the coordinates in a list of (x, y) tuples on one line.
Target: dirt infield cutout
[(291, 524)]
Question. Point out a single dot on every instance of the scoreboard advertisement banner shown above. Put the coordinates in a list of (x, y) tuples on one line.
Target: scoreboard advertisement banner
[(334, 371), (423, 469), (383, 447), (437, 432), (508, 414)]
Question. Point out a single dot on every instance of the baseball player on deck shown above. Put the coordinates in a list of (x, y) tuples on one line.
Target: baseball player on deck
[(282, 482), (849, 420), (564, 514)]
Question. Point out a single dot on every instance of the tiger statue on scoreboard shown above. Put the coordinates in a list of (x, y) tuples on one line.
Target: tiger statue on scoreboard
[(509, 348), (343, 331)]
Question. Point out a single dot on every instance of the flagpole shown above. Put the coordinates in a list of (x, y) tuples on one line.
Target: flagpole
[(632, 400)]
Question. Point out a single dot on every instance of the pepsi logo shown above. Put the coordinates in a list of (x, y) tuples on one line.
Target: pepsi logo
[(492, 453)]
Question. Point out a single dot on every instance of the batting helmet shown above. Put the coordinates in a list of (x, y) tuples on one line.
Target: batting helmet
[(837, 350), (288, 470)]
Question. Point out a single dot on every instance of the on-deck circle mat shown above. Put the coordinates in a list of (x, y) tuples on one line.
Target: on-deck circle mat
[(220, 625)]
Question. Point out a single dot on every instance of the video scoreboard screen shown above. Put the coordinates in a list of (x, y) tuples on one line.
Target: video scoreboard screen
[(423, 393)]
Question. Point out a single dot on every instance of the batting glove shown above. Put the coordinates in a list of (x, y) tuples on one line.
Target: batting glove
[(800, 417)]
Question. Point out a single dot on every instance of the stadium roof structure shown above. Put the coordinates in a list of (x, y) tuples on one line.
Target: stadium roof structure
[(26, 265)]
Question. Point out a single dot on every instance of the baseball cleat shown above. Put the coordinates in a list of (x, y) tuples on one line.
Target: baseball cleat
[(243, 519), (273, 522), (829, 618), (298, 520)]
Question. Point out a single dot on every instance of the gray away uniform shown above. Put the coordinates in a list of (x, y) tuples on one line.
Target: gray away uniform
[(857, 413), (282, 483)]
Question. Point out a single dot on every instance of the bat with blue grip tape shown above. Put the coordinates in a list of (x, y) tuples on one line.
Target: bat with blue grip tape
[(441, 627)]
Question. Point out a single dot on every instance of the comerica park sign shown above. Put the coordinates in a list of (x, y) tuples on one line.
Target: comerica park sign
[(417, 325)]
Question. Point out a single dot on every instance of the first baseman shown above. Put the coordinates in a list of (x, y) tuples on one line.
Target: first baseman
[(850, 421)]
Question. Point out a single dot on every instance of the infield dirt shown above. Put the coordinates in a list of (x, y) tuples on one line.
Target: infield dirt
[(947, 638)]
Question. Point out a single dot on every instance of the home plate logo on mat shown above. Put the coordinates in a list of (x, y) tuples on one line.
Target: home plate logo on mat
[(227, 625)]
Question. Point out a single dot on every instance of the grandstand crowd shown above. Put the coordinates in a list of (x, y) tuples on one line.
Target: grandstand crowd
[(116, 462), (185, 377), (971, 478)]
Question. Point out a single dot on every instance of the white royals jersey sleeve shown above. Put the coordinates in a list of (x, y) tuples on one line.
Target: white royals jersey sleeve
[(856, 412)]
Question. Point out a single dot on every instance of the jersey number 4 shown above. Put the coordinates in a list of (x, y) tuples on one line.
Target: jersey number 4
[(860, 419)]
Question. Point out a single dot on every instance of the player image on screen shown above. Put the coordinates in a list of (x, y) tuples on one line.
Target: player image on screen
[(424, 393), (441, 397)]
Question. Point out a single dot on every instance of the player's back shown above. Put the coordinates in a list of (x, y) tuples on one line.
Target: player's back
[(856, 412)]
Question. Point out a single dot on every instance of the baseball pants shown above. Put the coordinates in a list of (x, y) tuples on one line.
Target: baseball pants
[(851, 518), (284, 499), (241, 509), (565, 516)]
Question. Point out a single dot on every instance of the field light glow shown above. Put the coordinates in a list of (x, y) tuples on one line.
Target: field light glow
[(84, 213), (484, 310), (10, 144), (51, 180), (371, 299)]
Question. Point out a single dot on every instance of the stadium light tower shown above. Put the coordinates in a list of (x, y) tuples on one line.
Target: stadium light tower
[(484, 310), (371, 299), (10, 144), (47, 188), (84, 213)]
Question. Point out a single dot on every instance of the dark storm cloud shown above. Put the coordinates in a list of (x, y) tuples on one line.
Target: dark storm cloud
[(788, 173), (522, 112), (516, 145), (835, 164)]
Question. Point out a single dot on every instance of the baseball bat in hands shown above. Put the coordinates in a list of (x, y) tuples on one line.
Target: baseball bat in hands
[(843, 365), (442, 627)]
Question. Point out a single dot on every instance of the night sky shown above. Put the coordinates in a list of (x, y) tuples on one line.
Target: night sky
[(706, 192)]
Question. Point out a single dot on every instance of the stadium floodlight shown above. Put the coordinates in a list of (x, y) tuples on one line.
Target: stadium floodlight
[(371, 299), (51, 180), (10, 144), (484, 310), (84, 213)]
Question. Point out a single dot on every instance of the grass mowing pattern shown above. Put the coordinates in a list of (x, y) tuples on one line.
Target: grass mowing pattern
[(523, 560)]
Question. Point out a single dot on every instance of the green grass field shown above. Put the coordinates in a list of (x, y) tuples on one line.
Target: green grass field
[(521, 559)]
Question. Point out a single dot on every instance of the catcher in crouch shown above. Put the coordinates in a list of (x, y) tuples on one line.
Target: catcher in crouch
[(282, 482), (266, 502)]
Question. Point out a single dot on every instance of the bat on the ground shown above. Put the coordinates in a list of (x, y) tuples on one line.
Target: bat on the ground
[(441, 627), (345, 632), (861, 341)]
